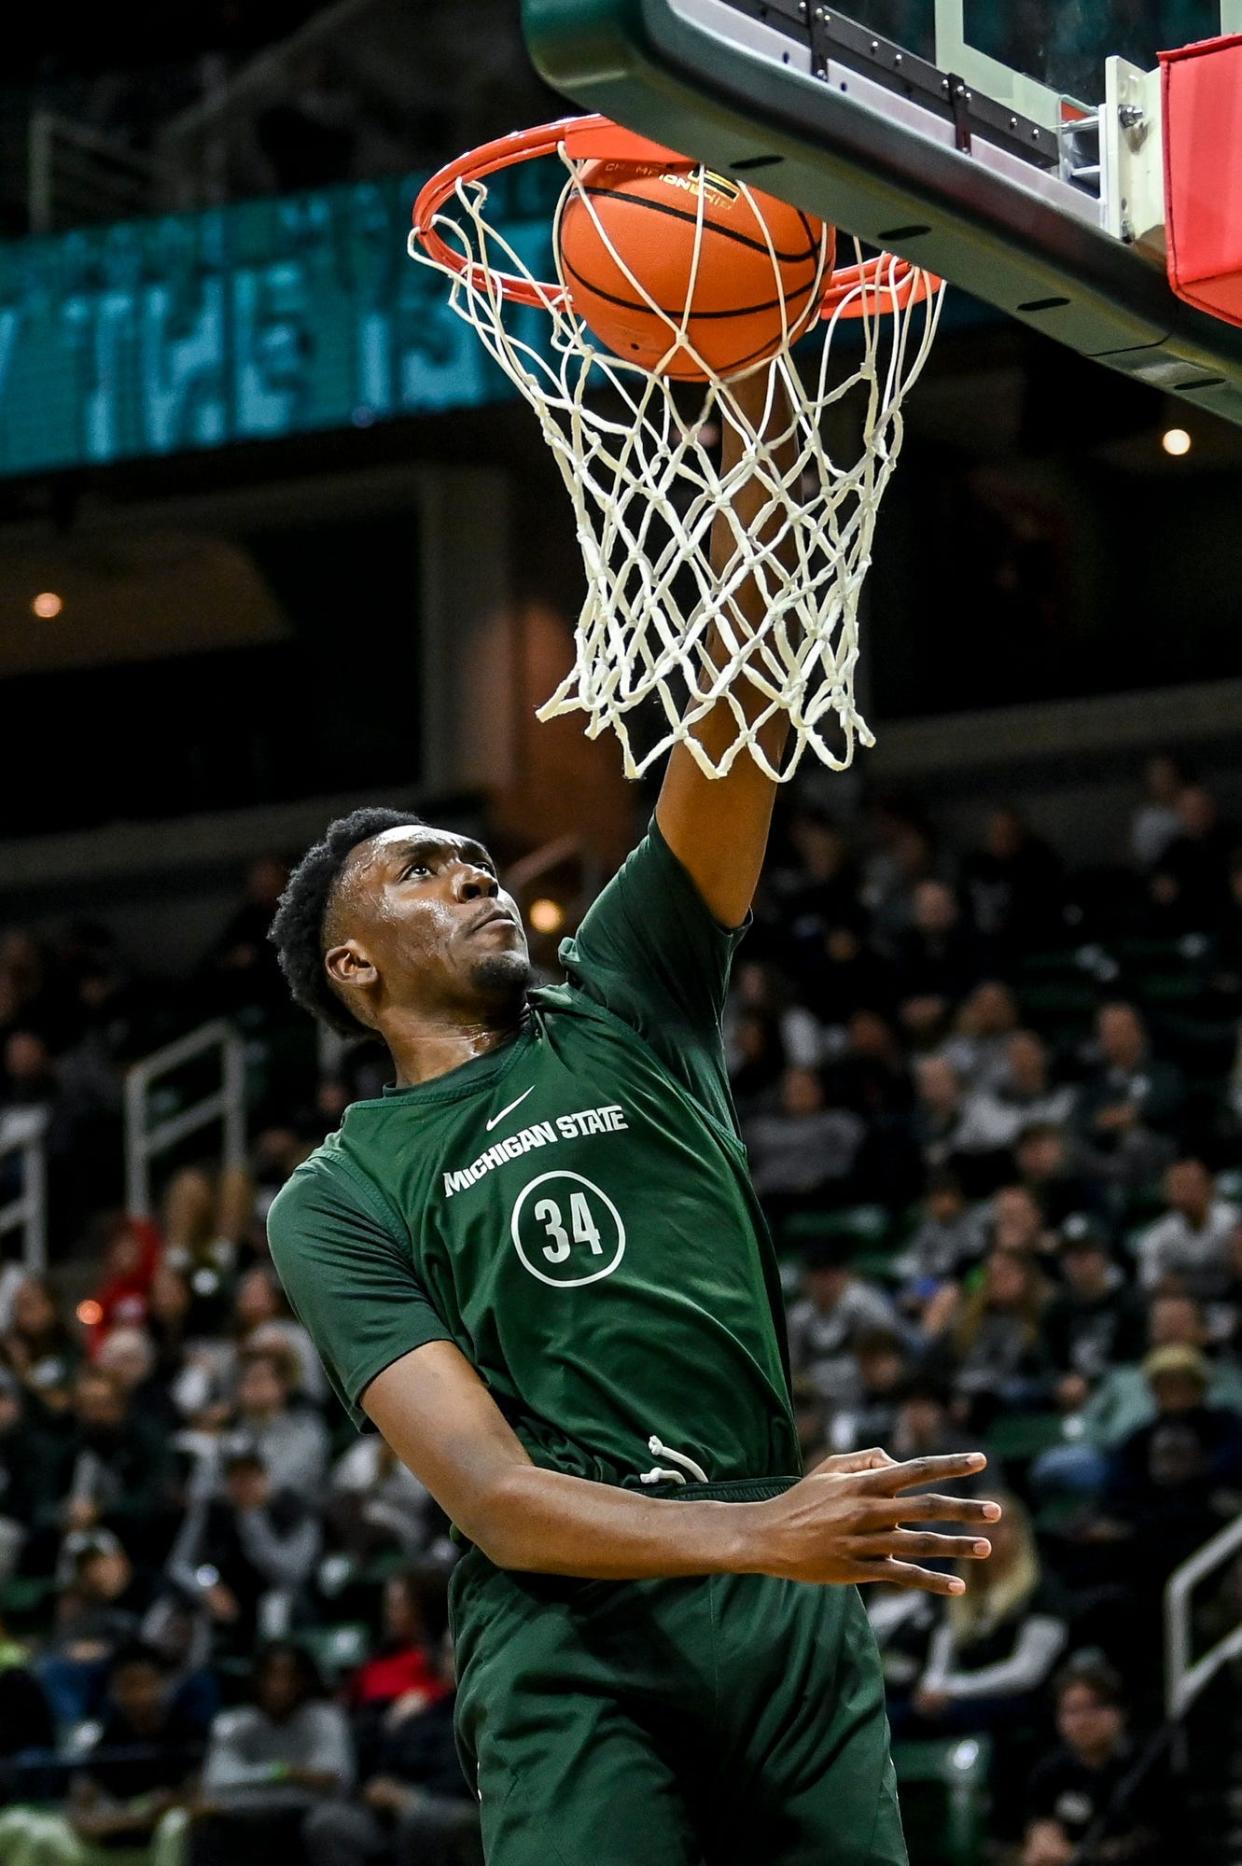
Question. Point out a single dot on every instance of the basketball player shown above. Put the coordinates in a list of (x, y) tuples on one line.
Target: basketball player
[(538, 1266)]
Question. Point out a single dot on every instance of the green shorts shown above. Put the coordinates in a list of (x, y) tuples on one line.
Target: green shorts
[(735, 1720)]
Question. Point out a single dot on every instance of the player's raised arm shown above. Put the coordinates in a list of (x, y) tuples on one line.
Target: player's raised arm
[(718, 827), (844, 1524)]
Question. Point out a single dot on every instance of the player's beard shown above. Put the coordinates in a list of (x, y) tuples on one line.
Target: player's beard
[(503, 977)]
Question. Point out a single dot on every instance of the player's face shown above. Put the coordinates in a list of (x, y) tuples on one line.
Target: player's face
[(434, 928)]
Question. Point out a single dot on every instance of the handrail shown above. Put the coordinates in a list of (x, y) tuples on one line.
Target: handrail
[(1184, 1680), (228, 1105), (255, 75), (139, 175), (24, 1131)]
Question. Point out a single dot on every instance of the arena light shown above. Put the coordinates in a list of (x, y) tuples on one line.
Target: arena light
[(547, 916), (47, 605), (1177, 443)]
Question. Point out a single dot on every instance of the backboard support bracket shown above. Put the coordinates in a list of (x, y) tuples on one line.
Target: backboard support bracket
[(1132, 157)]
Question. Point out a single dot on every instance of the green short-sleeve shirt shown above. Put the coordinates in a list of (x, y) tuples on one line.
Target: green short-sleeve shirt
[(573, 1211)]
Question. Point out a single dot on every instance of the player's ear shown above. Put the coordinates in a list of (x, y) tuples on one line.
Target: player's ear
[(349, 965)]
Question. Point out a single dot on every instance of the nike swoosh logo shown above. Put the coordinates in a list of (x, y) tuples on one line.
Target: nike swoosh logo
[(498, 1118)]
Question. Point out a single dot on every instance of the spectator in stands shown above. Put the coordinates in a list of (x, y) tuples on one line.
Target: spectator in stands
[(1012, 883), (245, 1557), (292, 1441), (1123, 1401), (17, 1476), (25, 1715), (904, 856), (759, 988), (137, 1774), (1227, 946), (950, 1237), (1095, 1320), (415, 1807), (1189, 1249), (1024, 1094), (804, 1147), (269, 1763), (822, 886), (376, 1505), (1016, 1223), (29, 998), (1198, 857), (939, 1110), (757, 1061), (1156, 823), (402, 1675), (128, 1251), (978, 1047), (129, 1353), (924, 1428), (240, 972), (203, 1226), (838, 971), (1087, 1805), (1130, 1101), (871, 1418), (40, 1350), (994, 1347), (835, 1310), (936, 962), (99, 1610), (870, 1076), (1173, 1482), (264, 1320), (1048, 1166), (995, 1645), (112, 1468)]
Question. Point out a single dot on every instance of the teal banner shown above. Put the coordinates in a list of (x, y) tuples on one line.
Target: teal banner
[(241, 323)]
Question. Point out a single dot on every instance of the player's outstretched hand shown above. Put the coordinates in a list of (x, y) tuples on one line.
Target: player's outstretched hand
[(845, 1522)]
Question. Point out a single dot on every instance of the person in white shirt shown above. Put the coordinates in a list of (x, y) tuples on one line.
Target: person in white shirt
[(1191, 1243)]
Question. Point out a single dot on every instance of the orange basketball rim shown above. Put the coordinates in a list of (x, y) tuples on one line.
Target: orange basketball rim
[(878, 285)]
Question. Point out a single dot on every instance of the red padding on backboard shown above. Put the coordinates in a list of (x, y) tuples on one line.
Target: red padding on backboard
[(1203, 174)]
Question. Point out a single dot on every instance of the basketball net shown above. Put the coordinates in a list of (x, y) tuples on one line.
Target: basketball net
[(640, 459)]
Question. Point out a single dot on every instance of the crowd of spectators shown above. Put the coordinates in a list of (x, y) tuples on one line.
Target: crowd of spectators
[(991, 1109)]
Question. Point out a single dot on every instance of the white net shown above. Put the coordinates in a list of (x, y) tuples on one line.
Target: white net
[(664, 638)]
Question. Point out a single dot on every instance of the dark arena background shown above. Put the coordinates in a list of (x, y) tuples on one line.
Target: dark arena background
[(277, 540)]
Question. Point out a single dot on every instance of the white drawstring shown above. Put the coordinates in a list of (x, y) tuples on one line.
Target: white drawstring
[(658, 1476)]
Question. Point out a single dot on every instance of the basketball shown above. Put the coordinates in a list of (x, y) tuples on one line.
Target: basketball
[(623, 224)]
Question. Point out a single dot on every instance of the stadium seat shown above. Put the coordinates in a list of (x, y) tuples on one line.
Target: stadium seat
[(944, 1799), (1017, 1438)]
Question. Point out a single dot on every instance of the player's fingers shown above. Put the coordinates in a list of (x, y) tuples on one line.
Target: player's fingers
[(915, 1472), (912, 1543), (845, 1464), (906, 1574), (933, 1509)]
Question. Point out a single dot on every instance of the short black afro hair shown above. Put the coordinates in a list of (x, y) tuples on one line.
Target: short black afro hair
[(297, 930)]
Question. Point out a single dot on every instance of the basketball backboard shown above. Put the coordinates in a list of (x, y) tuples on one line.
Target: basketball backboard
[(1014, 146)]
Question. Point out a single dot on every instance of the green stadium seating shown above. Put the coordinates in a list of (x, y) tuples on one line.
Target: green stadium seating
[(944, 1799)]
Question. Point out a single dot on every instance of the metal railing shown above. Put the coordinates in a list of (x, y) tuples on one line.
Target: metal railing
[(23, 1133), (565, 852), (227, 1105), (1185, 1677), (77, 175), (194, 141)]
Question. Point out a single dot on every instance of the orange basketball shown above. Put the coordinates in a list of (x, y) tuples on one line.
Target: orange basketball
[(651, 218)]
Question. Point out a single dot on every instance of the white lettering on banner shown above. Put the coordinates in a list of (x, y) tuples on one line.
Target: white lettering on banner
[(608, 1120)]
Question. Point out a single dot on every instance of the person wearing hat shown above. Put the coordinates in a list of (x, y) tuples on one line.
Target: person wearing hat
[(1095, 1320), (1174, 1481)]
